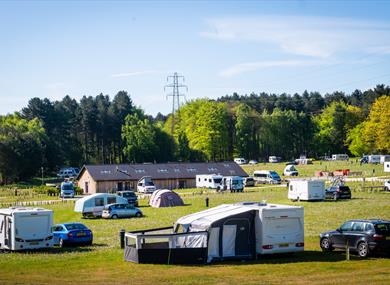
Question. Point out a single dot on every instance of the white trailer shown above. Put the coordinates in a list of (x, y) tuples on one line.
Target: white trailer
[(374, 158), (340, 157), (211, 181), (306, 190), (25, 228), (92, 205), (244, 230)]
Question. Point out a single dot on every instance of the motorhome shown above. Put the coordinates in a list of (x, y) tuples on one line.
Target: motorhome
[(25, 228), (146, 185), (233, 183), (68, 172), (266, 177), (210, 181), (67, 190), (340, 157), (240, 160), (274, 159), (92, 205), (290, 170), (229, 231), (306, 190)]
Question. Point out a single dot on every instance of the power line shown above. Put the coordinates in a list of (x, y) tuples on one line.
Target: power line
[(175, 85)]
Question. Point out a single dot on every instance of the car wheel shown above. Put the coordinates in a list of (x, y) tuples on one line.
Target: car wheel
[(363, 249), (325, 245), (114, 217), (335, 197), (89, 242), (62, 243), (387, 189), (138, 214)]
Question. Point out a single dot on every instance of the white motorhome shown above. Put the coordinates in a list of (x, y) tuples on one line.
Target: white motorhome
[(146, 185), (340, 157), (233, 183), (277, 229), (266, 177), (25, 228), (92, 205), (240, 160), (306, 190), (211, 181)]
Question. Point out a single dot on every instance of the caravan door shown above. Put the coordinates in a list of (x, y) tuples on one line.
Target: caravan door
[(236, 238)]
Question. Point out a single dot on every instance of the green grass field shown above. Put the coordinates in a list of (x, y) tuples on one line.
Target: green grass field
[(103, 262)]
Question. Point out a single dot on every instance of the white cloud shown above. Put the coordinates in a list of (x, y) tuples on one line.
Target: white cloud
[(136, 73), (302, 35), (254, 66)]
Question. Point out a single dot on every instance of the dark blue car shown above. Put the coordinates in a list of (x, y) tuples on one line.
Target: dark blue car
[(72, 233)]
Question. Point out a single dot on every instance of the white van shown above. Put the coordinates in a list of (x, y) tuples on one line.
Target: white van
[(340, 157), (25, 228), (306, 190), (240, 160), (68, 172), (211, 181), (146, 185), (233, 183), (274, 159), (92, 205), (266, 177)]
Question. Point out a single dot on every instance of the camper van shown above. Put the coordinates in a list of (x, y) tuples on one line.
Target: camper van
[(67, 190), (233, 183), (25, 228), (146, 185), (240, 160), (340, 157), (266, 177), (277, 229), (92, 205), (211, 181), (306, 190)]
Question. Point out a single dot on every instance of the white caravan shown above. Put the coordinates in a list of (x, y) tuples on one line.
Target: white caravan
[(385, 158), (340, 157), (266, 177), (243, 230), (146, 185), (386, 166), (25, 228), (211, 181), (306, 190), (92, 205)]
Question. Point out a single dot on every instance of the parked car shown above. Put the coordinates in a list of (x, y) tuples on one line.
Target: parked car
[(249, 182), (338, 192), (363, 236), (290, 170), (240, 160), (387, 185), (115, 211), (130, 196), (253, 162), (71, 233)]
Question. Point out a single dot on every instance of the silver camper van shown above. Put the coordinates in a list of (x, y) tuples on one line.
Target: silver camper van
[(266, 177)]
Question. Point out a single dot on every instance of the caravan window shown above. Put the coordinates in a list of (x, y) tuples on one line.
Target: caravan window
[(99, 202), (1, 227), (217, 180), (111, 200), (283, 226)]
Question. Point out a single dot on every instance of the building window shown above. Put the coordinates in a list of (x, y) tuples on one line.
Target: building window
[(232, 172), (140, 171), (176, 170), (162, 170), (226, 165), (105, 172), (213, 169), (191, 170)]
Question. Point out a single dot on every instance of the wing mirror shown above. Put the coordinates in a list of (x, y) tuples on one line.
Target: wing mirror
[(339, 230)]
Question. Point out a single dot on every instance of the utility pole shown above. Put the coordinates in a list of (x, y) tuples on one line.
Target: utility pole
[(175, 85)]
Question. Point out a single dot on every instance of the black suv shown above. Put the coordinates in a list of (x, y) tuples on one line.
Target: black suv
[(338, 192), (362, 236), (130, 196)]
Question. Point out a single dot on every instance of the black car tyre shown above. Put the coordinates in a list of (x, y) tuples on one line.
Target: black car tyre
[(387, 189), (325, 245), (363, 249), (138, 215), (114, 217), (62, 243)]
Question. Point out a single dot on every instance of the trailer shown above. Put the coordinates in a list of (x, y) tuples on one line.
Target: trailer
[(210, 181), (24, 228), (92, 205), (306, 190), (230, 231)]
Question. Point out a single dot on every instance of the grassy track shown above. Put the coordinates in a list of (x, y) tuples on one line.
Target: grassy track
[(103, 262)]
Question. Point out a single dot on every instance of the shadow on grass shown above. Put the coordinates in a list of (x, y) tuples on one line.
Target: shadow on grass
[(59, 250)]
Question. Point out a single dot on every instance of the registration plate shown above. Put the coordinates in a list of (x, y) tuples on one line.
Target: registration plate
[(81, 234), (283, 245), (34, 243)]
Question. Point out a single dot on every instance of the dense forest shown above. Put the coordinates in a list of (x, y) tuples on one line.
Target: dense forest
[(47, 135)]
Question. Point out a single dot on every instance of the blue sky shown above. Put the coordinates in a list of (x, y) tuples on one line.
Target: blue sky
[(53, 49)]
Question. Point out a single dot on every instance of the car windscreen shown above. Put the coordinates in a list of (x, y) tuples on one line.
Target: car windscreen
[(274, 175), (67, 187), (383, 229), (75, 227), (149, 183)]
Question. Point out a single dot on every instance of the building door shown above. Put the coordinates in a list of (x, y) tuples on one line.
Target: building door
[(86, 187), (120, 186), (182, 184)]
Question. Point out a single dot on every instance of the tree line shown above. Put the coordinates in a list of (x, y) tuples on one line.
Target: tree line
[(46, 135)]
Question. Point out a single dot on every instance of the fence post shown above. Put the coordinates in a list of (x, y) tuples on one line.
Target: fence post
[(122, 238)]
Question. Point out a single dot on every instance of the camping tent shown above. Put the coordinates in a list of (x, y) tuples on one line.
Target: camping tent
[(165, 198)]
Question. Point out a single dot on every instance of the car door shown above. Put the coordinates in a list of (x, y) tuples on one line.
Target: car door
[(57, 232), (354, 236), (339, 236)]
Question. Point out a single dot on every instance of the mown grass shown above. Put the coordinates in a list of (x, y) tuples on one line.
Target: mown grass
[(103, 262)]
